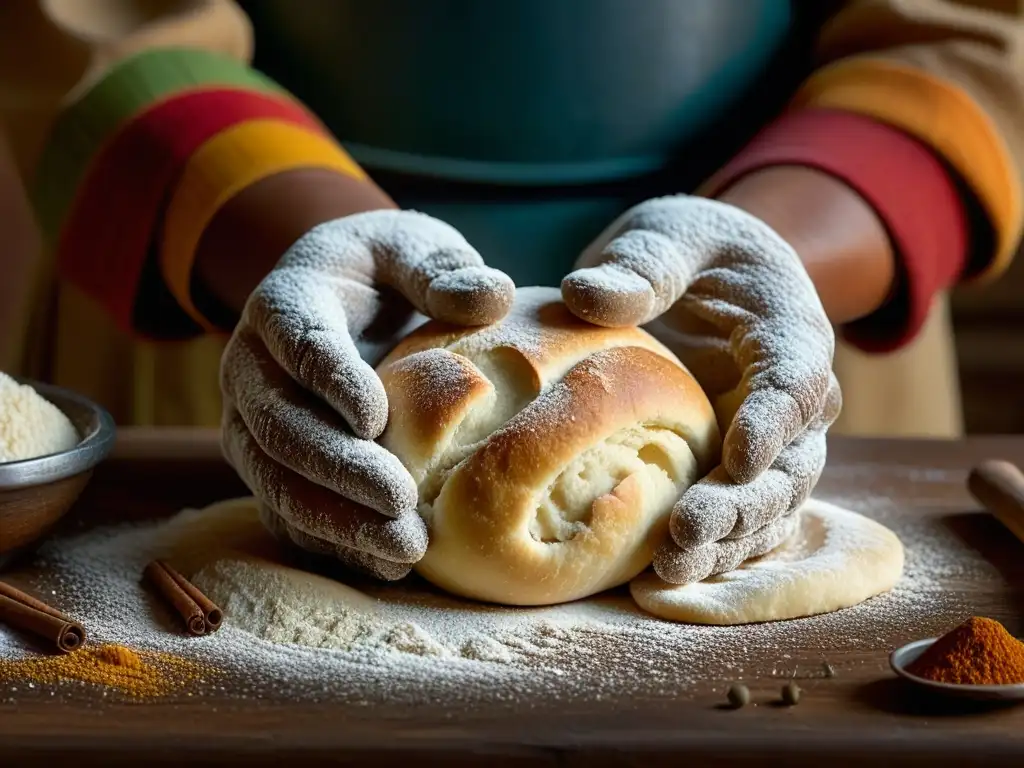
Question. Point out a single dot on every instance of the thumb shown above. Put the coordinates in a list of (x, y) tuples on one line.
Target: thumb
[(639, 278), (438, 271)]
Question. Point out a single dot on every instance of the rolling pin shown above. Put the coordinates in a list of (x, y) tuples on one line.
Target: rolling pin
[(999, 487)]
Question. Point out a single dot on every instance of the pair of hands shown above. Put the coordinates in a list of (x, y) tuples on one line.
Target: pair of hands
[(302, 404)]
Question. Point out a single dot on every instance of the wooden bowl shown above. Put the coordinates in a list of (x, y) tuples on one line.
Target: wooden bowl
[(36, 493)]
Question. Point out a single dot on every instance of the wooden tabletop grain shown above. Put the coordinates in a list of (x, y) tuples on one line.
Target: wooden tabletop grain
[(864, 716)]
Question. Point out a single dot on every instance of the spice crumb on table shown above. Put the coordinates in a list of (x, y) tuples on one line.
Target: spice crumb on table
[(738, 695)]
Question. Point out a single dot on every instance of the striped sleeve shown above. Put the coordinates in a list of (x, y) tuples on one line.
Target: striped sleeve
[(907, 186), (948, 73), (137, 167), (915, 106)]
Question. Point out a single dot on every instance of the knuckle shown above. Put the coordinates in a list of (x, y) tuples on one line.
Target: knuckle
[(274, 293), (307, 358)]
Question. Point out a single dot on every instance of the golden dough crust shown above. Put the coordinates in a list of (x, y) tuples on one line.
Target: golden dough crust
[(548, 452)]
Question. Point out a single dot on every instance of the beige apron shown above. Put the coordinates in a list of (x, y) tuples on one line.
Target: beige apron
[(914, 392)]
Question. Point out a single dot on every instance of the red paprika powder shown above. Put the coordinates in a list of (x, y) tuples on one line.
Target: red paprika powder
[(978, 652)]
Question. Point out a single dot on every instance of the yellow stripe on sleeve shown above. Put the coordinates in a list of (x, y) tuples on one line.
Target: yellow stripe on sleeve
[(221, 168)]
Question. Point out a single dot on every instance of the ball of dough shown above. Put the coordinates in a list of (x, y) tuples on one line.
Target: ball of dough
[(836, 560), (548, 452)]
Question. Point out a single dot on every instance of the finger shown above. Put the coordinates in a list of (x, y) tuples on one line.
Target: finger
[(351, 559), (465, 295), (754, 290), (375, 567), (716, 508), (768, 420), (641, 276), (786, 385), (803, 461), (801, 465), (732, 553), (300, 314), (646, 260), (440, 273), (316, 511), (676, 565), (297, 431)]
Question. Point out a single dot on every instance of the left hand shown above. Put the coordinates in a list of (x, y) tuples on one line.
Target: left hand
[(302, 402), (731, 298)]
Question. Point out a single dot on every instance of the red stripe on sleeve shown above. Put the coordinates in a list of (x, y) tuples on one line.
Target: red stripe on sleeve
[(909, 188), (109, 233)]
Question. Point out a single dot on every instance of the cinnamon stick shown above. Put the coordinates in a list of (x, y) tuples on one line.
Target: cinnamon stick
[(186, 607), (25, 612), (212, 615), (198, 611)]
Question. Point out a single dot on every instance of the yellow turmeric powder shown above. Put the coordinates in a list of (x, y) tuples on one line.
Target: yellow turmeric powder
[(139, 674), (120, 656)]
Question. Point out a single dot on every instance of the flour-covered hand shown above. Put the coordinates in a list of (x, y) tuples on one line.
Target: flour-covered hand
[(732, 299), (302, 403)]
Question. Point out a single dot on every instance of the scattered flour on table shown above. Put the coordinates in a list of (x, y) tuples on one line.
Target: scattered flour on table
[(30, 425), (404, 644)]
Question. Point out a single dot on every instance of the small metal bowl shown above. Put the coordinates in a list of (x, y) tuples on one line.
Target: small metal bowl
[(903, 657), (36, 493)]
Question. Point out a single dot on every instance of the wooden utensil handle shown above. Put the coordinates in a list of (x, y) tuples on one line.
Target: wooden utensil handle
[(999, 486)]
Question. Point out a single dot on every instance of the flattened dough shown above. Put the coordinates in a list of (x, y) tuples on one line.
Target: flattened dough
[(837, 559)]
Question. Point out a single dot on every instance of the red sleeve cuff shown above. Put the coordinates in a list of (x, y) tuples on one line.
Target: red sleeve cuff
[(909, 188)]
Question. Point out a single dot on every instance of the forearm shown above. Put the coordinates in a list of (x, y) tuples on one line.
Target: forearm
[(838, 236), (252, 230), (189, 192), (876, 217)]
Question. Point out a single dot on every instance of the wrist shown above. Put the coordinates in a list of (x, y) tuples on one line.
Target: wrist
[(838, 236), (251, 232)]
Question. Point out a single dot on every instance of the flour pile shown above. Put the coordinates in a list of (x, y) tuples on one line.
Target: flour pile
[(31, 426), (395, 645)]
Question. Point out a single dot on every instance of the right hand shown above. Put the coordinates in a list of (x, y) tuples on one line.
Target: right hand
[(302, 403), (728, 295)]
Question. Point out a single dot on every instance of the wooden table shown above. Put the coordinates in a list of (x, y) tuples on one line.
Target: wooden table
[(865, 716)]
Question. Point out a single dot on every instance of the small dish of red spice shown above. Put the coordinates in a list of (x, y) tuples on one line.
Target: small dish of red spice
[(978, 659)]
